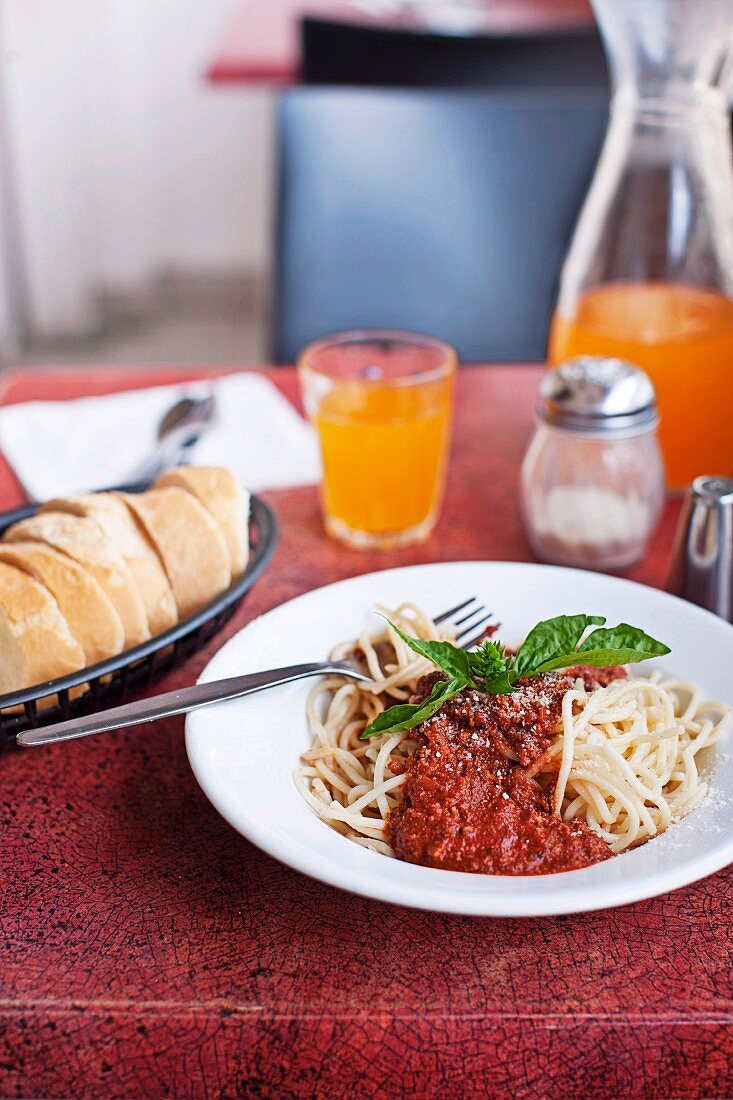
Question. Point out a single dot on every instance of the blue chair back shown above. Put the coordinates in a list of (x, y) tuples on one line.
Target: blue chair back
[(353, 53), (444, 212)]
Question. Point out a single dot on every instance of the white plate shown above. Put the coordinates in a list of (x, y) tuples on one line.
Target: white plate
[(243, 753)]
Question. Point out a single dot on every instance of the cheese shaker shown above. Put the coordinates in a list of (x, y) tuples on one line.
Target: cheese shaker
[(592, 481)]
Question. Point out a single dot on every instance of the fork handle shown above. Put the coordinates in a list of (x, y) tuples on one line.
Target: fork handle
[(175, 702)]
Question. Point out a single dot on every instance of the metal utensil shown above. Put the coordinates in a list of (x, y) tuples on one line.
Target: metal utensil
[(702, 561), (180, 428), (471, 627)]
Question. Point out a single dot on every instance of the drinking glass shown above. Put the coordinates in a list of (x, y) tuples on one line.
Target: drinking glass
[(381, 402)]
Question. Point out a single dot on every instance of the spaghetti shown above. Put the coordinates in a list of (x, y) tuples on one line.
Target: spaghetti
[(620, 760)]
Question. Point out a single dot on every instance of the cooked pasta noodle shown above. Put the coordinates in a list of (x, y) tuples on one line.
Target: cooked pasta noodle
[(624, 760)]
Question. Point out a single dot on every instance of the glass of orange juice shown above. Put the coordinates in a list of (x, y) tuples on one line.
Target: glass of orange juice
[(381, 402)]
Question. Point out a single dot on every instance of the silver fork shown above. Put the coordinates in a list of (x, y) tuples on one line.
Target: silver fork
[(470, 627)]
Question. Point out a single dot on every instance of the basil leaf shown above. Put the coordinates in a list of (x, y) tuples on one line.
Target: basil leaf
[(624, 637), (551, 638), (502, 684), (600, 658), (456, 662), (406, 716)]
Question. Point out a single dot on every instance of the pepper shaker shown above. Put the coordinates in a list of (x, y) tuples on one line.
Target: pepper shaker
[(592, 482), (702, 560)]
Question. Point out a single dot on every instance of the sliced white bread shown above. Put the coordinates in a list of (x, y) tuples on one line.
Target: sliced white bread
[(189, 542), (35, 641), (221, 494), (112, 515), (83, 541), (91, 616)]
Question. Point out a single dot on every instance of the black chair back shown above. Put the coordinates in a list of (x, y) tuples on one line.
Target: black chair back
[(358, 54), (444, 212)]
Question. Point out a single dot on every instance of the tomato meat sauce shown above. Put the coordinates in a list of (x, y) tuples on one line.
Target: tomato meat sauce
[(470, 802)]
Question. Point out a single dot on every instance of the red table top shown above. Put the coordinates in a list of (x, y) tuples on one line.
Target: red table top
[(148, 950), (261, 44)]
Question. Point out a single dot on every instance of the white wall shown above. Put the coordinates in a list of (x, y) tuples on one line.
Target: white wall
[(125, 160)]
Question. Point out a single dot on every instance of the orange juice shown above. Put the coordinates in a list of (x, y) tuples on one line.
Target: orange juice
[(682, 337), (384, 450), (380, 400)]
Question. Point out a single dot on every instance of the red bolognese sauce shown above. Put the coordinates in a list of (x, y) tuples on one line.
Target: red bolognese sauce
[(470, 802)]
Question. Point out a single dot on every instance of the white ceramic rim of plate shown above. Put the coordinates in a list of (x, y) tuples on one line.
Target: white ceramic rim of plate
[(359, 871)]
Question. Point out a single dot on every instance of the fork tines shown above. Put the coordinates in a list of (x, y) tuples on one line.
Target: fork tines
[(473, 623)]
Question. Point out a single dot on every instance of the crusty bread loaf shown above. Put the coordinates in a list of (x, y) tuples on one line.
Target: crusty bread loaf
[(93, 574), (189, 542), (83, 541), (117, 522), (90, 614), (35, 641), (221, 494)]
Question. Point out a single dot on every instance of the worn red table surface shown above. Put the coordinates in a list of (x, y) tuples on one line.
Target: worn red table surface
[(262, 42), (148, 950)]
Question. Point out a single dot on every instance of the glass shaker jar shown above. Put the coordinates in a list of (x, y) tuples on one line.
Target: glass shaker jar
[(592, 482)]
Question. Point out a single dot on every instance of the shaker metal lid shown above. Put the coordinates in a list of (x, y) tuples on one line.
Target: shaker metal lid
[(597, 394), (713, 488)]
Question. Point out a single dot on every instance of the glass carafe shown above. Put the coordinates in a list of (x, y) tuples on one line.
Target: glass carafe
[(649, 274)]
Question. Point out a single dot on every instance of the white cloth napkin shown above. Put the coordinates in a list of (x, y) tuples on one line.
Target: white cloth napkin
[(62, 447)]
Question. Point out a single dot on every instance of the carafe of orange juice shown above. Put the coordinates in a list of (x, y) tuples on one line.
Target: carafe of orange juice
[(649, 274)]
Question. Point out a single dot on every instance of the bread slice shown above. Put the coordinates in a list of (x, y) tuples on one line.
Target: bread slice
[(82, 540), (221, 494), (35, 641), (90, 614), (189, 542), (112, 515)]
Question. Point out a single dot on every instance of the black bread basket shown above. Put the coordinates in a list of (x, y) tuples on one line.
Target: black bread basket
[(117, 679)]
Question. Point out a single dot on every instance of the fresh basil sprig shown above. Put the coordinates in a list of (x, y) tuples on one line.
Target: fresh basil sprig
[(551, 644), (406, 716)]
